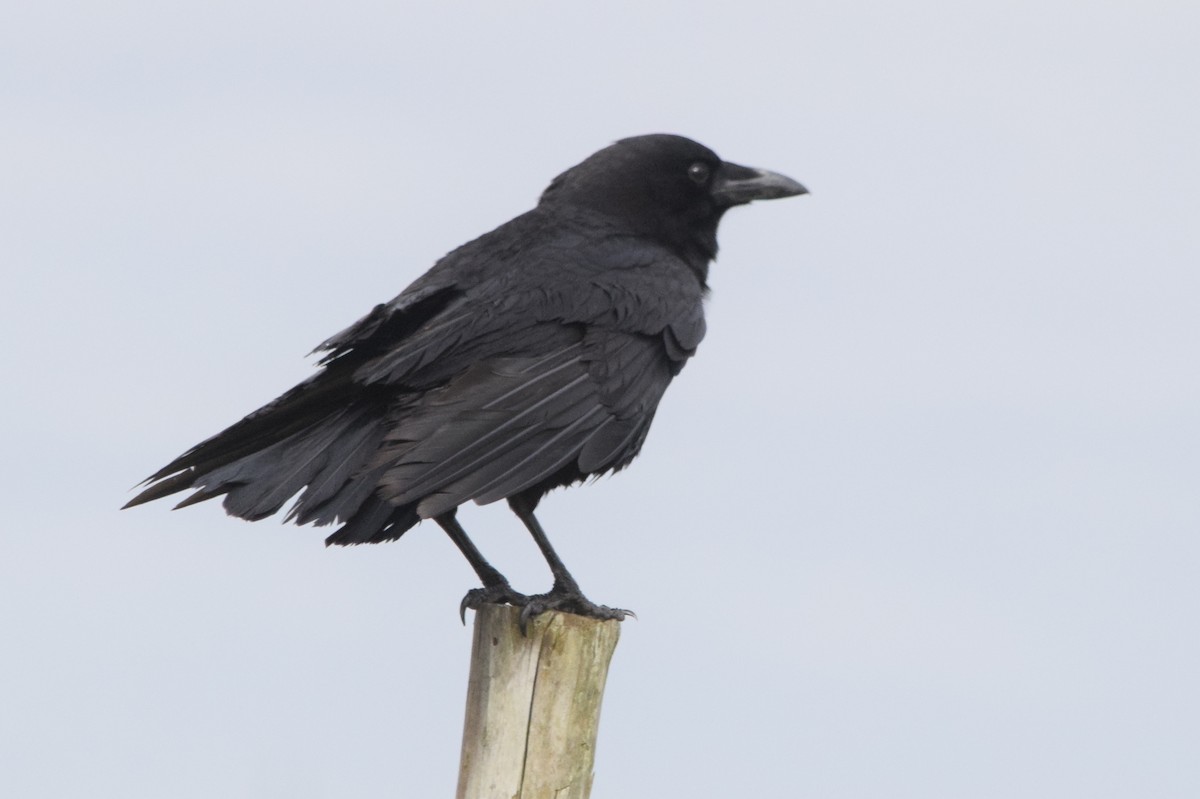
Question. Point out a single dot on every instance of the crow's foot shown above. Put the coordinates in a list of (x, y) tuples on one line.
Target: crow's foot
[(568, 601), (496, 594)]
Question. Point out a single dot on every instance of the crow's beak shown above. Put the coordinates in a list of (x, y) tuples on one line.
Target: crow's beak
[(736, 185)]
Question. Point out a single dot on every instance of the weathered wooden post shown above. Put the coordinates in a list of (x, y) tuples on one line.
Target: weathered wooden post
[(533, 705)]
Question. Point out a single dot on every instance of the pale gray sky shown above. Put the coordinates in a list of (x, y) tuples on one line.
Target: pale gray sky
[(921, 519)]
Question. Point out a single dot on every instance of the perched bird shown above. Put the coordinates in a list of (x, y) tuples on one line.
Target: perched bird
[(530, 358)]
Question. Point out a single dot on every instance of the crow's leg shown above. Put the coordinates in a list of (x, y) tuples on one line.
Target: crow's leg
[(495, 586), (565, 595)]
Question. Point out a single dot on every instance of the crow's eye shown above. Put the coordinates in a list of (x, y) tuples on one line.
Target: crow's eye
[(699, 172)]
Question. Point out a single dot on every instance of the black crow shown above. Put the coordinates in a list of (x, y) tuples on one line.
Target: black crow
[(530, 358)]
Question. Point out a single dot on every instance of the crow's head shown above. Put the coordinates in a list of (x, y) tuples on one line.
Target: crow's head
[(666, 187)]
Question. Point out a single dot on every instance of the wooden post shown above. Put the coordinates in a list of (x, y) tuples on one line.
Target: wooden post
[(533, 705)]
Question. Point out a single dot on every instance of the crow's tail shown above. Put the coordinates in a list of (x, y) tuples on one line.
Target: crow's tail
[(308, 440)]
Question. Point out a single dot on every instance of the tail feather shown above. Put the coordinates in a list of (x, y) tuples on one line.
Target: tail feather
[(263, 482), (341, 486), (164, 488), (375, 522), (288, 448)]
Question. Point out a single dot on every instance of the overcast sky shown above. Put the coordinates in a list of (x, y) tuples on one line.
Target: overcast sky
[(920, 520)]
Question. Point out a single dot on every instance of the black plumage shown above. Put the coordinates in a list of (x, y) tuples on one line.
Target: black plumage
[(530, 358)]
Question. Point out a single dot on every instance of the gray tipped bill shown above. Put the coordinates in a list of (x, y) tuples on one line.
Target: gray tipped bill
[(736, 185)]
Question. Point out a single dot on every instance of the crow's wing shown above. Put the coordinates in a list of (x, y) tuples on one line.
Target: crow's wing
[(508, 424)]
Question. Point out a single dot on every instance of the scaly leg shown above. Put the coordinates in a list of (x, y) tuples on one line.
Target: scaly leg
[(565, 595), (495, 586)]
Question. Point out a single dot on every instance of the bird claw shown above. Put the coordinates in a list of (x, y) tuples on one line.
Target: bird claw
[(568, 602), (498, 594)]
